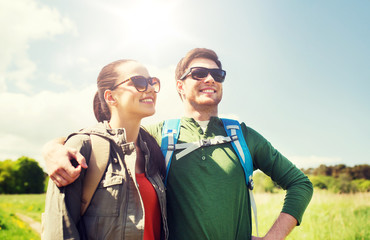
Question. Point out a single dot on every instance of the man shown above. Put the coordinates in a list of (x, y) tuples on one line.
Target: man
[(206, 190)]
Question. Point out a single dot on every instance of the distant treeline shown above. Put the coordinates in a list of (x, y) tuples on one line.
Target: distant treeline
[(21, 176), (26, 176), (338, 179), (341, 170)]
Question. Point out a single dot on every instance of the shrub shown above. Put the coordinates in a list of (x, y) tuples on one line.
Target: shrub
[(263, 183), (343, 184), (362, 185)]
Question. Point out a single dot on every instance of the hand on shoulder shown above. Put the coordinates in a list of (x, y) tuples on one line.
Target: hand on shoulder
[(58, 162)]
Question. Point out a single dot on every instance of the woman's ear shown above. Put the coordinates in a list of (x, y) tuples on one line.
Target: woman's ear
[(109, 98)]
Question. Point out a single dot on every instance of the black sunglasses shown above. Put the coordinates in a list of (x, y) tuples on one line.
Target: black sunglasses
[(141, 83), (199, 73)]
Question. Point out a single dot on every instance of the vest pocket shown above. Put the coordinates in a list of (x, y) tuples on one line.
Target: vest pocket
[(105, 201)]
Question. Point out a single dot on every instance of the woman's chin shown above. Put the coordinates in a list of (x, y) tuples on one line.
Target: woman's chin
[(148, 113)]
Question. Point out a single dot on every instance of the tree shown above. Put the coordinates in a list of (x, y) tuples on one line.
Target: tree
[(361, 172), (29, 176), (21, 176), (322, 170), (337, 170), (343, 184), (7, 179)]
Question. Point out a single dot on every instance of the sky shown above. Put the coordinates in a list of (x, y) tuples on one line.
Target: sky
[(298, 72)]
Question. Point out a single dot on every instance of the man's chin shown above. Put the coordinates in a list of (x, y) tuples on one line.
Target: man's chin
[(210, 101)]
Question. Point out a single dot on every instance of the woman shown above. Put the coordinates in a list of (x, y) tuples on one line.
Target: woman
[(129, 202)]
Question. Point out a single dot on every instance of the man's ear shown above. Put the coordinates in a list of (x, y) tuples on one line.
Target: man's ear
[(180, 86), (109, 98)]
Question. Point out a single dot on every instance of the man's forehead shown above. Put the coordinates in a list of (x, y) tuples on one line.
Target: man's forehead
[(202, 62)]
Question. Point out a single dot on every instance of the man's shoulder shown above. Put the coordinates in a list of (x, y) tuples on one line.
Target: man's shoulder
[(250, 132), (155, 129), (153, 125)]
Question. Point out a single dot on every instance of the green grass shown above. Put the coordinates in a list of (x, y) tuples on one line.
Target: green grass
[(329, 216), (11, 227), (31, 205)]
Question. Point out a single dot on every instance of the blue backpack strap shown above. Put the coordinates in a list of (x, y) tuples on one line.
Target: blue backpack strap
[(234, 131), (170, 134)]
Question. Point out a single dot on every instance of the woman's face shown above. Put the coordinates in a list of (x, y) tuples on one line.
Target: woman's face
[(130, 102)]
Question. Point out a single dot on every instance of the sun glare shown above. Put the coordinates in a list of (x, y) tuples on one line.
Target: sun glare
[(150, 23)]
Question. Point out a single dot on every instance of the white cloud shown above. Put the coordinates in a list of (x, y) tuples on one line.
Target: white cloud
[(28, 122), (10, 147), (58, 80), (22, 21), (2, 83), (314, 161)]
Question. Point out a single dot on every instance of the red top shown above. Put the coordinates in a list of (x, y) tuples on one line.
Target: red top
[(152, 227)]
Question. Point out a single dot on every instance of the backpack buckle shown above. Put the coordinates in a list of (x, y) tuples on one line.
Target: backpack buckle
[(251, 184), (204, 142), (171, 147), (234, 138)]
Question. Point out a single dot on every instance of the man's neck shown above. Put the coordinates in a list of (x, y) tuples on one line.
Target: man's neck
[(201, 114)]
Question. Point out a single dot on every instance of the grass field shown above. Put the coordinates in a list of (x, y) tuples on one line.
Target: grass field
[(329, 216), (11, 227)]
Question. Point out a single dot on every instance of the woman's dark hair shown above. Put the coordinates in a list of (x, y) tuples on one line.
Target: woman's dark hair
[(106, 80), (156, 157)]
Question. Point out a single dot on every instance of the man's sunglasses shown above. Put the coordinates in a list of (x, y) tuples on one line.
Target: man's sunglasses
[(200, 73), (141, 83)]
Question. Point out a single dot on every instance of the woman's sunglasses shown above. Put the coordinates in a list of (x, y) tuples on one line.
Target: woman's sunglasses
[(200, 73), (141, 83)]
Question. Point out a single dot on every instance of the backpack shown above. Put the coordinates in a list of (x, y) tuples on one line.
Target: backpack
[(170, 135), (99, 157)]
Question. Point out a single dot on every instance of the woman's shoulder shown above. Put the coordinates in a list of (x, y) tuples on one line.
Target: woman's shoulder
[(81, 140), (83, 135)]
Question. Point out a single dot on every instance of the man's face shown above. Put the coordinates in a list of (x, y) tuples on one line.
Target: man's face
[(205, 92)]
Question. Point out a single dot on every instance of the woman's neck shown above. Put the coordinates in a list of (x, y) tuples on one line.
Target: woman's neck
[(131, 127)]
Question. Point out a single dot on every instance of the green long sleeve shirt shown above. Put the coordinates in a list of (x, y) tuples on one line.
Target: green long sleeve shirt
[(207, 197)]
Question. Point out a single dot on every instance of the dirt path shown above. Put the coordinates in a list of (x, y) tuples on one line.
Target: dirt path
[(33, 224)]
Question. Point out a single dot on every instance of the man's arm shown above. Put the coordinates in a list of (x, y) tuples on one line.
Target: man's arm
[(58, 162), (287, 176), (283, 225)]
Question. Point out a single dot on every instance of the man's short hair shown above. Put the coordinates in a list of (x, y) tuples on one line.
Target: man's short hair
[(193, 54)]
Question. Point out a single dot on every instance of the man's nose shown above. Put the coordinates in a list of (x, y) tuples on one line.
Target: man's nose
[(209, 78)]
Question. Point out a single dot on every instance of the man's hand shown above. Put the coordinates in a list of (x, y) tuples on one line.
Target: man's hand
[(283, 225), (58, 162)]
